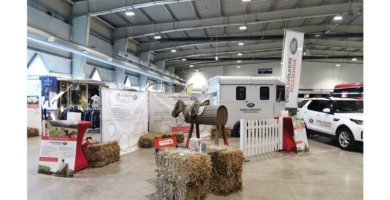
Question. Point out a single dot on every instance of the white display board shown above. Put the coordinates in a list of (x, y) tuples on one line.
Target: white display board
[(161, 106), (124, 117), (300, 137)]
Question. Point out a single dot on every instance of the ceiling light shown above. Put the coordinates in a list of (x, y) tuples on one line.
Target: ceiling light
[(238, 61), (157, 37), (337, 17), (246, 0), (317, 35), (242, 28), (173, 50), (183, 59), (85, 51), (354, 59), (196, 70), (238, 66), (239, 54), (51, 39), (240, 44), (130, 13), (216, 57), (191, 65), (338, 65), (109, 59)]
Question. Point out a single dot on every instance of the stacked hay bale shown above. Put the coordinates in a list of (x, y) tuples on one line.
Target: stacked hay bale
[(102, 154), (227, 168), (214, 130), (32, 132), (147, 140), (182, 174)]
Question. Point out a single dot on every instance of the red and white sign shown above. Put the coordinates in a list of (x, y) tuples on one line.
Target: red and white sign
[(165, 142), (181, 129), (300, 137), (291, 65)]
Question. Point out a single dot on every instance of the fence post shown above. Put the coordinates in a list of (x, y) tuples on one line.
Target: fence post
[(280, 132), (242, 135)]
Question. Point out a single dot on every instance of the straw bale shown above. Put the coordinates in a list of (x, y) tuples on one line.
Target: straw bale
[(214, 130), (99, 155), (32, 132), (182, 174), (147, 140), (179, 136), (227, 168)]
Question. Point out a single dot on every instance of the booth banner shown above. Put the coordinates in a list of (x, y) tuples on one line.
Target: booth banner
[(291, 65), (161, 106), (300, 136), (124, 117), (58, 149), (48, 92)]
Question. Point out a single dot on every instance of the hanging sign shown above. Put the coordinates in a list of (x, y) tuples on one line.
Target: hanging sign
[(291, 65)]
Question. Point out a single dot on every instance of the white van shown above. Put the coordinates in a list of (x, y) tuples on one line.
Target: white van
[(247, 97)]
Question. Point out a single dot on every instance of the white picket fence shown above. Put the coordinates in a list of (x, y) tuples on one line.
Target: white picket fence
[(261, 136)]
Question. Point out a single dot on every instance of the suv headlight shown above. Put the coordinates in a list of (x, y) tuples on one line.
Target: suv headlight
[(357, 121)]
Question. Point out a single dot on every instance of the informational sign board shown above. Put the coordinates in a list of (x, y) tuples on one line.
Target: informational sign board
[(291, 65), (161, 106), (124, 117), (264, 70), (58, 149), (300, 137), (165, 142)]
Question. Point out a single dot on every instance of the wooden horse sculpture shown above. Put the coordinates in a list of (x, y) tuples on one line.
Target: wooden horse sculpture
[(209, 115)]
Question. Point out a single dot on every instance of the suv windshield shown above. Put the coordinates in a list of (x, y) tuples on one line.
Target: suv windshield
[(348, 106)]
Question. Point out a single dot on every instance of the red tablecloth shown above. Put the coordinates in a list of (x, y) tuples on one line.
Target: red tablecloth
[(288, 135), (81, 161)]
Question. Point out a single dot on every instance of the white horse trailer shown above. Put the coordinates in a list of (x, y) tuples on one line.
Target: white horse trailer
[(247, 97)]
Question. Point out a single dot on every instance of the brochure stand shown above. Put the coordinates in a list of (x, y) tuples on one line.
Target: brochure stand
[(81, 161)]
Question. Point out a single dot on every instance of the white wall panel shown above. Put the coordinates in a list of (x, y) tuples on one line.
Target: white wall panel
[(101, 46)]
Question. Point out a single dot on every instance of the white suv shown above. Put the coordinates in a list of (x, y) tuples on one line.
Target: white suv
[(340, 117)]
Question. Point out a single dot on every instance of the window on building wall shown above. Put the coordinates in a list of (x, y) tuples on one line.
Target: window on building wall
[(240, 93), (264, 93), (95, 75), (280, 93), (37, 67)]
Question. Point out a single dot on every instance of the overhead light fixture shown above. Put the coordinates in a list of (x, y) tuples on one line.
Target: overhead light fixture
[(354, 59), (246, 0), (183, 59), (216, 57), (191, 65), (239, 54), (317, 35), (85, 51), (129, 13), (238, 66), (173, 50), (196, 70), (109, 59), (238, 61), (157, 37), (240, 44), (51, 39), (338, 65), (243, 28), (337, 17)]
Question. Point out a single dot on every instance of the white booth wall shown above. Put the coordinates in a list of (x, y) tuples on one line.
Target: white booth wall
[(313, 75)]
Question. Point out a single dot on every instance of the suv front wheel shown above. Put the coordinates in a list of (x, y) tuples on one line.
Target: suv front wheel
[(345, 139)]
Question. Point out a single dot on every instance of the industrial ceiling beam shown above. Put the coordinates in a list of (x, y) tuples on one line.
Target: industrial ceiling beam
[(248, 19), (102, 7)]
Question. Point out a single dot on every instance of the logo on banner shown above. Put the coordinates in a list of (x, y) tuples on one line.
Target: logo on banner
[(293, 46), (250, 105)]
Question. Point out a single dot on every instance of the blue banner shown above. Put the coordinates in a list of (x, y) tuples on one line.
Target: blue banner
[(48, 92)]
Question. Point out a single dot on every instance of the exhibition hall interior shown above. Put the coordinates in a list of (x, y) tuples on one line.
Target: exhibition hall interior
[(195, 99)]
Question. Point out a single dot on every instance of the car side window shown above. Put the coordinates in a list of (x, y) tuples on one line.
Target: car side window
[(314, 105)]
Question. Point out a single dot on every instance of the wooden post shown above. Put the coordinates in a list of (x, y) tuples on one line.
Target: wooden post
[(189, 135)]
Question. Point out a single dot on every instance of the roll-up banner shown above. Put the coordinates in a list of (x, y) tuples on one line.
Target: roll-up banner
[(48, 92), (161, 106), (124, 117), (291, 65)]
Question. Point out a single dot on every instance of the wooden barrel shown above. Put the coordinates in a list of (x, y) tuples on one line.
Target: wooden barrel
[(212, 115)]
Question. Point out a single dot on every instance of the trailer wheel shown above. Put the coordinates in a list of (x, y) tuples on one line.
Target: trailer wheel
[(236, 129)]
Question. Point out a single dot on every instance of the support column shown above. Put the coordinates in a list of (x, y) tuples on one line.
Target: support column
[(170, 88), (120, 76), (80, 35), (159, 86), (142, 81)]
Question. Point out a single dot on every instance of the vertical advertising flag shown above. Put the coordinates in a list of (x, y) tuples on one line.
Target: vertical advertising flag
[(291, 65), (48, 92)]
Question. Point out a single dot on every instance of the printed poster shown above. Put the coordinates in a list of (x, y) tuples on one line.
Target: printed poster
[(300, 137), (124, 117), (58, 149), (160, 109), (48, 93)]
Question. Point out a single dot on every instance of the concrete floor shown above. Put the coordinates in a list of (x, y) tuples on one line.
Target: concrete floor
[(324, 173)]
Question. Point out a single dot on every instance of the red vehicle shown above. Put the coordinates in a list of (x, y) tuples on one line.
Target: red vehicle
[(350, 90)]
